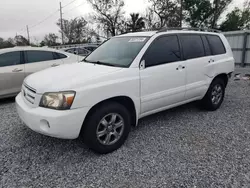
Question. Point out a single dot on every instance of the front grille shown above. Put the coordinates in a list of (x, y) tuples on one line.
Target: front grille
[(29, 93)]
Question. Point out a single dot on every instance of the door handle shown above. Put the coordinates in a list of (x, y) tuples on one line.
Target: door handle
[(17, 70), (54, 65), (211, 61), (180, 67)]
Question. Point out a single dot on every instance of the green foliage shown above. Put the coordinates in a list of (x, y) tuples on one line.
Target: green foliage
[(74, 30), (49, 40), (6, 43), (21, 41), (136, 23), (198, 13), (204, 13), (237, 19), (167, 12)]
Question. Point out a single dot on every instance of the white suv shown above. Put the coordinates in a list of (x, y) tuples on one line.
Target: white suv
[(128, 77)]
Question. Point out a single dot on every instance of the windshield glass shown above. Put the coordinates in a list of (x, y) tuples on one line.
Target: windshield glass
[(120, 51)]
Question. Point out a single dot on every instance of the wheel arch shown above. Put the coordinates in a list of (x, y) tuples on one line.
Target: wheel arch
[(222, 76), (126, 101)]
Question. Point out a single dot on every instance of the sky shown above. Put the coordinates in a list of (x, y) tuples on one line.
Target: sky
[(16, 14)]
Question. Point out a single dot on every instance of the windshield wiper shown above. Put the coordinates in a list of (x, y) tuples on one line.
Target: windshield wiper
[(99, 63), (104, 63)]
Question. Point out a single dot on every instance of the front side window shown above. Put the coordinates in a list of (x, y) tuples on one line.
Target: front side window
[(192, 46), (118, 51), (38, 56), (163, 50), (216, 45), (10, 58)]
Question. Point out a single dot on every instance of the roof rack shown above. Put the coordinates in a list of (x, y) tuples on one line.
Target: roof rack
[(164, 29)]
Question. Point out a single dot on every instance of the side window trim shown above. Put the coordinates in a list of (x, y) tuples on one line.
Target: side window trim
[(204, 37), (161, 36), (22, 57)]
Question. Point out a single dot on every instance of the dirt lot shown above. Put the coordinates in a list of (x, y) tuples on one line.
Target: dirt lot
[(182, 147)]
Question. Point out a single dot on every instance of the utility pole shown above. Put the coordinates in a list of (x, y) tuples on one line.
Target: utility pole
[(181, 13), (28, 34), (61, 22)]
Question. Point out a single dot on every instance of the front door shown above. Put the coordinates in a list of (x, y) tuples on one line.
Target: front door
[(11, 73), (163, 78)]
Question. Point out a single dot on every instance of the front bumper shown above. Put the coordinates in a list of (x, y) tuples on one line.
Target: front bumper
[(60, 124)]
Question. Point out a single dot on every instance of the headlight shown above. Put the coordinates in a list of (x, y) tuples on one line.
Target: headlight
[(58, 100)]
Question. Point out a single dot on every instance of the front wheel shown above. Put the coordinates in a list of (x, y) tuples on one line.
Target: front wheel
[(214, 96), (107, 128)]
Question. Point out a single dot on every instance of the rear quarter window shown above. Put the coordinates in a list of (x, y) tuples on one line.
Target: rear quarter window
[(216, 45)]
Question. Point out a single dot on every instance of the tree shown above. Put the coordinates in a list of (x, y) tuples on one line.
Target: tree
[(21, 41), (237, 19), (109, 14), (219, 6), (198, 13), (6, 43), (136, 23), (204, 13), (49, 40), (74, 30), (167, 11)]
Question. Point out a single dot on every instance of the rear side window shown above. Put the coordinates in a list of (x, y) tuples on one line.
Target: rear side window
[(192, 46), (38, 56), (10, 58), (216, 45), (59, 55), (207, 48), (163, 50)]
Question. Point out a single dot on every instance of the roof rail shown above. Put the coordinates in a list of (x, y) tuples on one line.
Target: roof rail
[(164, 29)]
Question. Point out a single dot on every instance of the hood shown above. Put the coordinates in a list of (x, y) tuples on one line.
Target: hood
[(67, 77)]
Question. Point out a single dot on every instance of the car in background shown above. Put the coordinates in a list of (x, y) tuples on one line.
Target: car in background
[(18, 62), (82, 51)]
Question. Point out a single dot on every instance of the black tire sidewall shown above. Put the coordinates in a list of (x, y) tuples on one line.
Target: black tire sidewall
[(89, 133), (207, 101)]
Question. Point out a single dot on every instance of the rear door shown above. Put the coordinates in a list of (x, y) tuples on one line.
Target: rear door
[(38, 60), (196, 58), (11, 73)]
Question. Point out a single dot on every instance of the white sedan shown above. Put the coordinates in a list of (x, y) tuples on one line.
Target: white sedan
[(18, 62)]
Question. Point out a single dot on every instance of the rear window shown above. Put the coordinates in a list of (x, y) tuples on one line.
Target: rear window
[(216, 45), (192, 46), (38, 56), (59, 55)]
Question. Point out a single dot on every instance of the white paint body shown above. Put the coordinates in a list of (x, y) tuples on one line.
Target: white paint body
[(151, 89)]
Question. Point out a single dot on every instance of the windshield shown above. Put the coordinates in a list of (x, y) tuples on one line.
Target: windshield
[(120, 51)]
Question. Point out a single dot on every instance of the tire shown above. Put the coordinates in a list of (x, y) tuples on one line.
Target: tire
[(107, 130), (211, 103)]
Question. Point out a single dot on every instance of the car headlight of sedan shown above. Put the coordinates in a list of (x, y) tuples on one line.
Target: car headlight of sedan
[(58, 100)]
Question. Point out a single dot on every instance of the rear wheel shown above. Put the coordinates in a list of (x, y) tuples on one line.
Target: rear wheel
[(107, 128), (214, 96)]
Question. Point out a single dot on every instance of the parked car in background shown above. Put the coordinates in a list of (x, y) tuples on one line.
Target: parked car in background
[(127, 78), (18, 62), (78, 51), (82, 51)]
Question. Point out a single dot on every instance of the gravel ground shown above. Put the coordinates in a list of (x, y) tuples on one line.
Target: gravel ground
[(182, 147)]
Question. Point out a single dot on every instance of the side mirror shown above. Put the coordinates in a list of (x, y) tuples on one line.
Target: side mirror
[(142, 64)]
